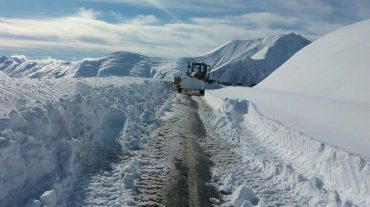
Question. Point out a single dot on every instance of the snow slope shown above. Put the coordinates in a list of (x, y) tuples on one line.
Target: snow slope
[(336, 65), (52, 131), (250, 61)]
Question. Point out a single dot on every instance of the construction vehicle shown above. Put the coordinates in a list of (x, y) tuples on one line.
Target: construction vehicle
[(195, 78)]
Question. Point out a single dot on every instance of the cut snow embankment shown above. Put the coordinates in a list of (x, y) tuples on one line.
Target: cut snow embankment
[(51, 131), (337, 66), (314, 134), (336, 122)]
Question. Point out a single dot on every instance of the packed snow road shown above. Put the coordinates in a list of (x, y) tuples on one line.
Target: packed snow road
[(171, 169), (189, 165)]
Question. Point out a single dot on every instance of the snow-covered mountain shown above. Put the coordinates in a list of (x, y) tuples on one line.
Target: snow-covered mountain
[(114, 64), (336, 66), (250, 61), (239, 61)]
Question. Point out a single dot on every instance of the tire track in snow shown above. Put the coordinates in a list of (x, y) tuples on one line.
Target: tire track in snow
[(150, 188), (190, 166), (235, 169)]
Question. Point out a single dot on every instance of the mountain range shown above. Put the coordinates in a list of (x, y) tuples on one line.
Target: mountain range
[(245, 62)]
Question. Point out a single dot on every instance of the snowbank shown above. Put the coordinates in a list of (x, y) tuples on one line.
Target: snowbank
[(336, 122), (335, 66), (58, 129), (319, 173)]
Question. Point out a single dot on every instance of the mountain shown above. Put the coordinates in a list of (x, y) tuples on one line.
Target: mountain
[(336, 66), (239, 61), (250, 61), (114, 64)]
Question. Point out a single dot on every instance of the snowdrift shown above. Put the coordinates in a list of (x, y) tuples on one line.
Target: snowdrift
[(250, 61), (58, 129), (319, 173), (336, 66)]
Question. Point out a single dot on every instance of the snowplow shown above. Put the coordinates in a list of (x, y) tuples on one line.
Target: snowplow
[(195, 78)]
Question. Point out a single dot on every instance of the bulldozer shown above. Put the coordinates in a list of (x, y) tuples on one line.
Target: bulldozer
[(195, 78)]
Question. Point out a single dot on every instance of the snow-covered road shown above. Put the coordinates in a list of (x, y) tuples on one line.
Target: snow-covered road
[(134, 142)]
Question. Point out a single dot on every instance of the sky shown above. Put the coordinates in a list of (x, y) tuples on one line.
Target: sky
[(74, 29)]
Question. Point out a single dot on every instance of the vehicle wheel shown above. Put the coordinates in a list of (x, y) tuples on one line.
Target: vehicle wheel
[(179, 90), (201, 92)]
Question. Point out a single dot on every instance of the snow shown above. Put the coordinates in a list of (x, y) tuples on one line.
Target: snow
[(115, 64), (55, 132), (242, 196), (336, 122), (314, 171), (3, 75), (312, 114), (335, 66), (239, 61), (250, 61)]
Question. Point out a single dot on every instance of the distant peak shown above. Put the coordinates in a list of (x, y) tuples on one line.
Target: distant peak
[(22, 57)]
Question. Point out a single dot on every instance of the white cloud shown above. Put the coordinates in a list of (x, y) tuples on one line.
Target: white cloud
[(144, 34), (204, 6), (87, 13)]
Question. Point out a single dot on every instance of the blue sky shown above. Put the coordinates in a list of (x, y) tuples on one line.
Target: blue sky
[(67, 29)]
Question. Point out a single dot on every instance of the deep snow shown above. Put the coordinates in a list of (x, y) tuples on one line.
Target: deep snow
[(315, 172), (337, 122), (52, 132), (313, 112), (335, 66)]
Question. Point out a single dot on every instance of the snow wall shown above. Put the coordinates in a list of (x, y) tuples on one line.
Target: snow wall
[(320, 174), (45, 146)]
